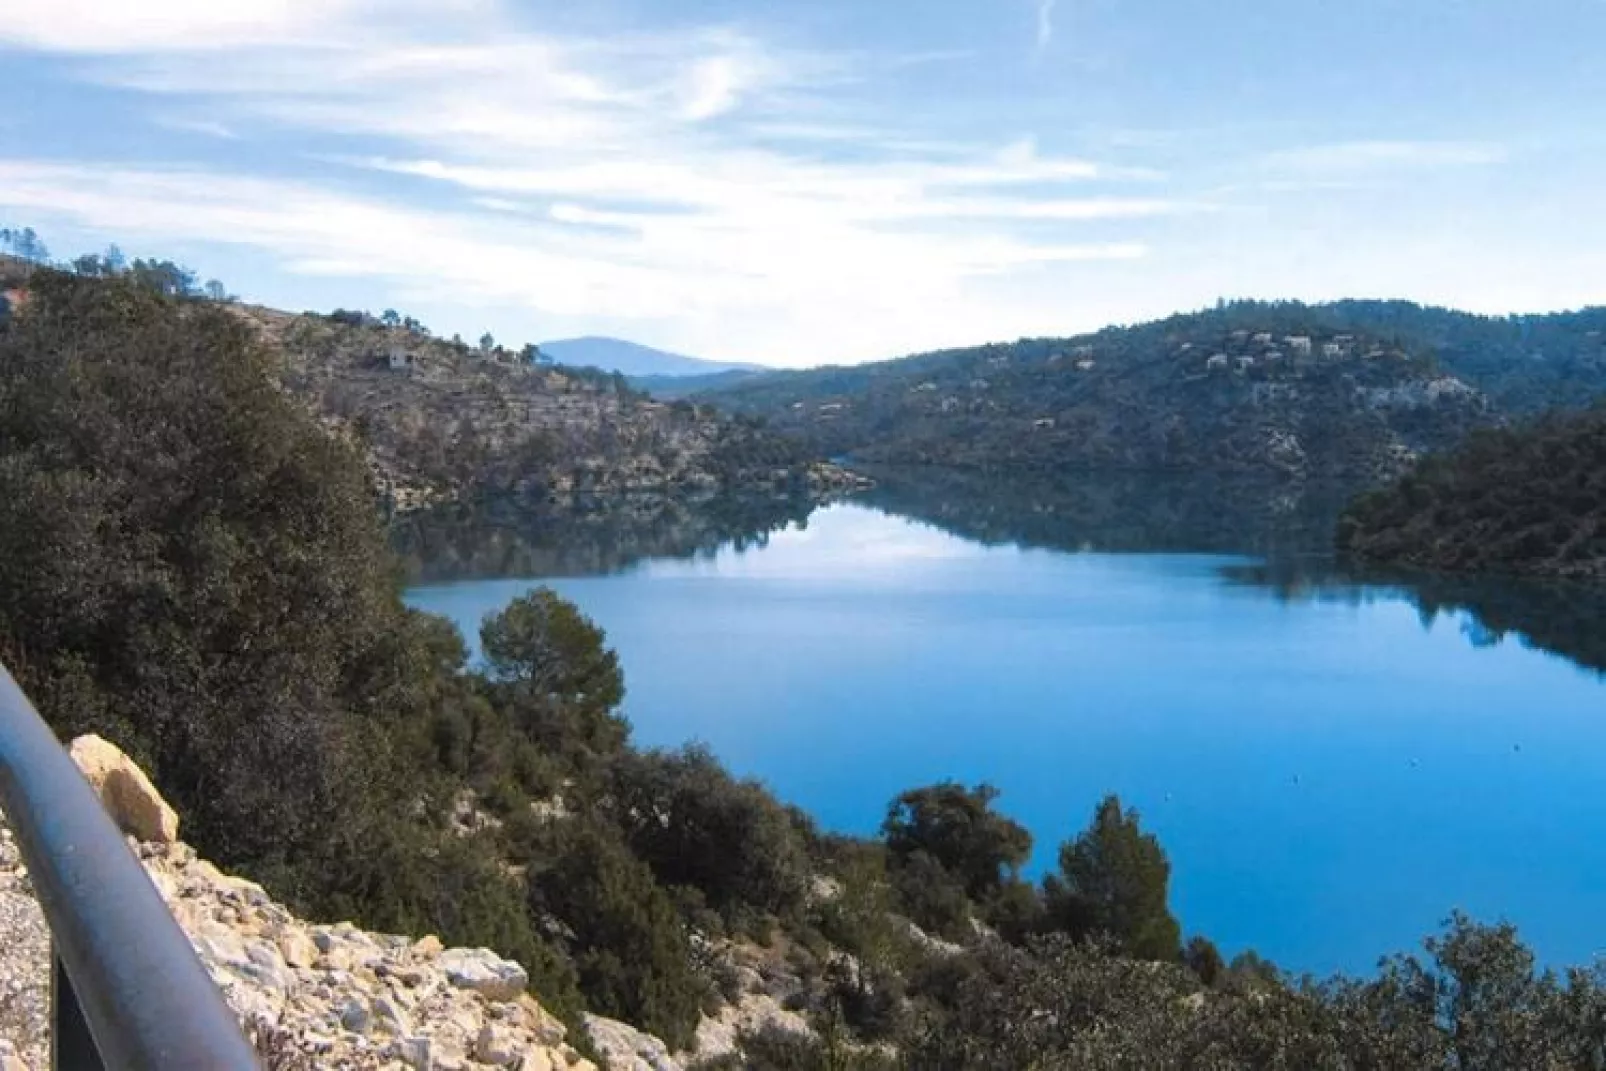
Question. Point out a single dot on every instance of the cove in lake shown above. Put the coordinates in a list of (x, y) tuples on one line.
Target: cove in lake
[(1332, 763)]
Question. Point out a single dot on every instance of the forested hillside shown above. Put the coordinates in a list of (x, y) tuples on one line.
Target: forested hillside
[(1352, 390), (440, 420), (193, 567), (1524, 364), (1528, 499)]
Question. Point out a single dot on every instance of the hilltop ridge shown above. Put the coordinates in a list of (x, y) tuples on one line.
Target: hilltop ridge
[(1203, 393)]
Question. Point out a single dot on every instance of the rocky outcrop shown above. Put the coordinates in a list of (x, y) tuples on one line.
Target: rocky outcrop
[(347, 998), (754, 1013), (310, 995), (125, 791)]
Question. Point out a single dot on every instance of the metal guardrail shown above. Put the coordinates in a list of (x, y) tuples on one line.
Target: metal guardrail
[(127, 990)]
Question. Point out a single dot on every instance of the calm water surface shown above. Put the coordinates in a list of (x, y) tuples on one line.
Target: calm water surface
[(1331, 775)]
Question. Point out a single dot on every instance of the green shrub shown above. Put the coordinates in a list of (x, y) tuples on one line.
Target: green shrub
[(629, 947)]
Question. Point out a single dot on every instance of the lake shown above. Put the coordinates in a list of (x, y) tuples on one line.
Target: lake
[(1333, 764)]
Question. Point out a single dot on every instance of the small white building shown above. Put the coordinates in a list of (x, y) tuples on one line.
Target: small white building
[(1245, 363), (1263, 339), (1333, 351), (1300, 345), (1217, 362), (399, 360), (1085, 364), (1043, 423)]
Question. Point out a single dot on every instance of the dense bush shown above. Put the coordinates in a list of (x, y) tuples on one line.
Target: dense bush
[(1523, 500), (697, 826), (958, 828), (630, 948), (190, 565)]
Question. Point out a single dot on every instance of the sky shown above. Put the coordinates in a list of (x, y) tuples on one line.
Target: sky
[(799, 182)]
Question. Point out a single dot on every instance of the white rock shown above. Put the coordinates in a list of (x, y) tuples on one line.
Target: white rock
[(624, 1048), (537, 1060), (297, 950), (484, 972), (496, 1046), (415, 1053)]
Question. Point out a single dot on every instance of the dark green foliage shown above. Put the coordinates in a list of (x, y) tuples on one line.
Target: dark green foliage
[(1201, 956), (698, 826), (932, 897), (190, 563), (629, 946), (1114, 880), (958, 828), (1523, 500), (1147, 398)]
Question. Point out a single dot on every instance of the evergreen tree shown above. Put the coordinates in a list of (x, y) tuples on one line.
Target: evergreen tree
[(1114, 879)]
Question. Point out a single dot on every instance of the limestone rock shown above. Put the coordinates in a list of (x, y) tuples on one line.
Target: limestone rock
[(624, 1048), (125, 791), (484, 972)]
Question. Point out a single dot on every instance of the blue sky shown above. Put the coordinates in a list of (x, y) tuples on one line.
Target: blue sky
[(807, 182)]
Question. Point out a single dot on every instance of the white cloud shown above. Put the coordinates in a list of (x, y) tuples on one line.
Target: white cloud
[(1045, 23), (125, 27), (714, 88), (210, 127), (617, 180), (1364, 156)]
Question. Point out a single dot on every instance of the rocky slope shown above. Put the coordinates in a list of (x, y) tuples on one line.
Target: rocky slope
[(315, 995), (1201, 393), (441, 420)]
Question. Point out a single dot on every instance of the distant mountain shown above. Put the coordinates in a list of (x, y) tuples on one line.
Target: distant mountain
[(633, 359), (1251, 387), (669, 387)]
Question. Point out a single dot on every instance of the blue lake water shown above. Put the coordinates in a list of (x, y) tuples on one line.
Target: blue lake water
[(1331, 775)]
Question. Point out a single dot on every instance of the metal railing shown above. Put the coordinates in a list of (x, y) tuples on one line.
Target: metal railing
[(127, 990)]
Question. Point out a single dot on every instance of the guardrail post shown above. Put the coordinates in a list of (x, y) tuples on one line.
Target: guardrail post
[(72, 1047)]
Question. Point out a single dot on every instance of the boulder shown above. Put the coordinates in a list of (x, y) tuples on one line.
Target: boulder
[(624, 1048), (483, 971), (125, 791)]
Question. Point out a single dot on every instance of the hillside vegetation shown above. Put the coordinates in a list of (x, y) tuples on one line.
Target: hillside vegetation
[(443, 420), (191, 565), (1529, 499), (1245, 388)]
